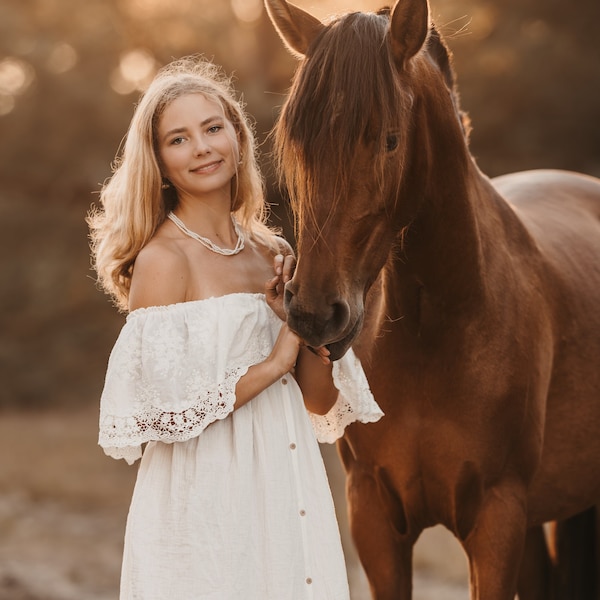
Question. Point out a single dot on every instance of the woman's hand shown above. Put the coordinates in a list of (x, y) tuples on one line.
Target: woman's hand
[(274, 288), (284, 270)]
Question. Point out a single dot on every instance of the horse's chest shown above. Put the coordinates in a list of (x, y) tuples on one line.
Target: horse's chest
[(431, 471)]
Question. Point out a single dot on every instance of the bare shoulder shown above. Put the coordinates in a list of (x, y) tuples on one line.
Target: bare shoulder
[(160, 275)]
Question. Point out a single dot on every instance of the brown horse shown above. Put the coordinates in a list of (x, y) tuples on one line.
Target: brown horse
[(474, 304)]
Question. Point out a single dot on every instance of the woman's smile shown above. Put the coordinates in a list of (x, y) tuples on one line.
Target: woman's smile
[(207, 168)]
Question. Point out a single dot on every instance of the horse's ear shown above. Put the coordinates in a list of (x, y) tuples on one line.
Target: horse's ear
[(409, 27), (296, 27)]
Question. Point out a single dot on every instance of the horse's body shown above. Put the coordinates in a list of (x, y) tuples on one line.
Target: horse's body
[(474, 304)]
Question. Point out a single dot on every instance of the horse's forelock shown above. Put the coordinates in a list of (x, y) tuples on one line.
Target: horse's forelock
[(344, 92)]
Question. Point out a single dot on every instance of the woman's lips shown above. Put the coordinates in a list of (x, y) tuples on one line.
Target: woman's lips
[(208, 168)]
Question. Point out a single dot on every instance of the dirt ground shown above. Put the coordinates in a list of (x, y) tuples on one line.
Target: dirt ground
[(63, 506)]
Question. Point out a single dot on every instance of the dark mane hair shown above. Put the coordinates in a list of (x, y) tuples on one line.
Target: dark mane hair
[(344, 92)]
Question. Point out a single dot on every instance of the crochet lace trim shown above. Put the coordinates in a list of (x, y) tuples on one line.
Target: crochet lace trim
[(122, 436)]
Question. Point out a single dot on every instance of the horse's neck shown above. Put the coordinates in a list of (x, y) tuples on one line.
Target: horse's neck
[(449, 261), (448, 249), (461, 219)]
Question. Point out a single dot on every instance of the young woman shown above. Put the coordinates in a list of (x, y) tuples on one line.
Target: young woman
[(232, 499)]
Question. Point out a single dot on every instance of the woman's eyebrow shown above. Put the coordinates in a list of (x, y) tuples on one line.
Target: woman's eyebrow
[(174, 131), (184, 129)]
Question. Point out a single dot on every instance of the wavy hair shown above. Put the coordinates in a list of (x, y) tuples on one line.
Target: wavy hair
[(134, 202)]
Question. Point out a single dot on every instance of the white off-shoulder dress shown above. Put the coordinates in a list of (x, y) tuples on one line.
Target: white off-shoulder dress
[(228, 505)]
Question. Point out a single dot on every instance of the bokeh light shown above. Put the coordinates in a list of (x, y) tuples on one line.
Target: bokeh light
[(135, 71), (62, 58), (7, 103), (154, 8), (16, 76), (247, 11)]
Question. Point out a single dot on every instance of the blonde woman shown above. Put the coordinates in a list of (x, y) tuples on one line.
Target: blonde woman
[(206, 383)]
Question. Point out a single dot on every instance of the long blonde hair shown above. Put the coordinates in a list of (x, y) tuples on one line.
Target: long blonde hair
[(134, 201)]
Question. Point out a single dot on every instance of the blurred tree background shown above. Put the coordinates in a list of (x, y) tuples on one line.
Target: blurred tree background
[(71, 72)]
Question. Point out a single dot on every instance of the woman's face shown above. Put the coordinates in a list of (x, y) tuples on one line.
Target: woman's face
[(197, 146)]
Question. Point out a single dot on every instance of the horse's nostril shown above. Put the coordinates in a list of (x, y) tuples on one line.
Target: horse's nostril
[(340, 314), (288, 294)]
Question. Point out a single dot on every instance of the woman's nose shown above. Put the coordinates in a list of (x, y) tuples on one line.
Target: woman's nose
[(202, 146)]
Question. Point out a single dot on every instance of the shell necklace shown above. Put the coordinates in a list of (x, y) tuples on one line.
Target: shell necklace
[(239, 246)]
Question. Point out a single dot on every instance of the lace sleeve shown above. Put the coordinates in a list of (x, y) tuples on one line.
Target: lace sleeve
[(355, 401), (173, 372), (123, 436)]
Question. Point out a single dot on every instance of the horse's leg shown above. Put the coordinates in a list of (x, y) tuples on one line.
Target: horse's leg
[(376, 524), (536, 567), (495, 544), (597, 549), (576, 547)]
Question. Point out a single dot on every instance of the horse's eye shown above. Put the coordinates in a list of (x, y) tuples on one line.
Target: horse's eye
[(391, 142)]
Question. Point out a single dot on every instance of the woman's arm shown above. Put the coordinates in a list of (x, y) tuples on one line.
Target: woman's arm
[(313, 367), (314, 376), (260, 376)]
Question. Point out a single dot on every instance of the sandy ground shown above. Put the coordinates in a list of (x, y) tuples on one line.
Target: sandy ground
[(63, 506)]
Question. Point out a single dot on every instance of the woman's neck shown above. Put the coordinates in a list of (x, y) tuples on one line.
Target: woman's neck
[(208, 216)]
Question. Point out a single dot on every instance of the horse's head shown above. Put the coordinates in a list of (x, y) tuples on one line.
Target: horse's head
[(343, 141)]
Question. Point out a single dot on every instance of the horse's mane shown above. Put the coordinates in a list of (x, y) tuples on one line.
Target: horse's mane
[(346, 90), (344, 81)]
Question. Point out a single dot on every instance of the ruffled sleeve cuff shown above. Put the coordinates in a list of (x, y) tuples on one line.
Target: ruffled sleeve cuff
[(355, 401), (123, 436), (173, 371)]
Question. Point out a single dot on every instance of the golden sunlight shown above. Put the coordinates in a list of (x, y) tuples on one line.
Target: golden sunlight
[(136, 70), (155, 8), (247, 11), (62, 58), (16, 76), (326, 8)]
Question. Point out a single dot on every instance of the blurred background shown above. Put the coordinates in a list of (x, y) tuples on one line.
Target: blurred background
[(70, 74)]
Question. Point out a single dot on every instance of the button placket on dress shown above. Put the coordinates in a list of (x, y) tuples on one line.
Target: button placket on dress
[(289, 417)]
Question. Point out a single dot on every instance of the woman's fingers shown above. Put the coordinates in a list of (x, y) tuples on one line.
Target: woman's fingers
[(283, 266), (271, 287), (274, 296), (322, 353), (288, 267), (278, 262)]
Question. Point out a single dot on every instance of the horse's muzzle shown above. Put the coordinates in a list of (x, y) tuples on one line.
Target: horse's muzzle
[(322, 323)]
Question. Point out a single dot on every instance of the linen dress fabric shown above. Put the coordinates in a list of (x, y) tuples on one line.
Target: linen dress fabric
[(241, 509)]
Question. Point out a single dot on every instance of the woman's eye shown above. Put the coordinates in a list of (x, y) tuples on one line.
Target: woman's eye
[(215, 129), (176, 141), (391, 142)]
